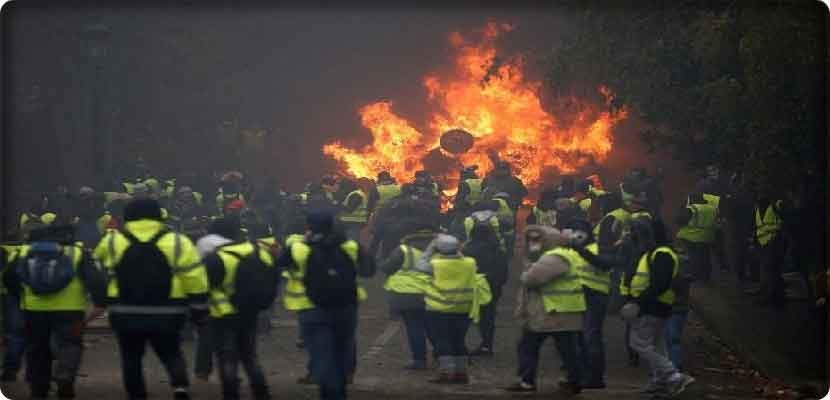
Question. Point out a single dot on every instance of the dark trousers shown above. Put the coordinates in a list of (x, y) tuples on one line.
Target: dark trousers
[(487, 323), (203, 362), (772, 260), (13, 333), (447, 333), (235, 338), (591, 342), (700, 262), (529, 346), (416, 334), (167, 346), (329, 335), (63, 328)]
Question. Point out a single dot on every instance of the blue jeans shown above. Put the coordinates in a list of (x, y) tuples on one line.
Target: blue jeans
[(13, 333), (674, 336), (416, 334), (591, 343), (329, 335)]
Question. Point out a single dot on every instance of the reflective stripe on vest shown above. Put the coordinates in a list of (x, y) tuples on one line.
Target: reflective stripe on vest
[(474, 195), (219, 298), (359, 214), (294, 295), (452, 287), (71, 298), (701, 227), (591, 276), (406, 280), (565, 293), (713, 200), (642, 277), (767, 227)]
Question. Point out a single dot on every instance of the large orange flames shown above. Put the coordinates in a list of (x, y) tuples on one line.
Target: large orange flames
[(489, 97)]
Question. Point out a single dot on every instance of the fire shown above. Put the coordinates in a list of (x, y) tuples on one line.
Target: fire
[(490, 97)]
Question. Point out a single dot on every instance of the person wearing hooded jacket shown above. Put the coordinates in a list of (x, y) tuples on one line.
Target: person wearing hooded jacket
[(551, 304), (405, 288), (484, 246)]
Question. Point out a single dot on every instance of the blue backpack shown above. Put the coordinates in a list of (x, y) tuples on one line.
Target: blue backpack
[(46, 269)]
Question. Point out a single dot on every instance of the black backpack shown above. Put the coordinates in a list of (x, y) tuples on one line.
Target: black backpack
[(330, 277), (144, 275), (256, 284), (47, 269)]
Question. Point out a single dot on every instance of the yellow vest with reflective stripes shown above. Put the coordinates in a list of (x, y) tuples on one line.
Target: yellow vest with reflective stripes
[(359, 214), (768, 225), (712, 199), (387, 192), (544, 217), (469, 223), (504, 210), (591, 276), (585, 204), (220, 304), (641, 214), (406, 280), (70, 298), (565, 293), (621, 216), (188, 274), (642, 277), (474, 196), (452, 287), (701, 227), (294, 296)]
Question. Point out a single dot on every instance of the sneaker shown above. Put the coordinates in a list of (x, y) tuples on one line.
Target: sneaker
[(306, 380), (8, 376), (460, 378), (652, 387), (521, 387), (482, 351), (442, 378), (181, 393), (416, 365), (677, 383)]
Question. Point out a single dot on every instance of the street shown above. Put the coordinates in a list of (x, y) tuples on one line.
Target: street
[(382, 353)]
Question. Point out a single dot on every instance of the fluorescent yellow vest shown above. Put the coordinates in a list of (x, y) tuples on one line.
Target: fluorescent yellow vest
[(591, 276), (544, 217), (387, 192), (642, 277), (469, 223), (620, 217), (406, 280), (359, 214), (294, 295), (220, 304), (701, 227), (474, 196), (452, 287), (565, 294), (767, 227), (70, 298)]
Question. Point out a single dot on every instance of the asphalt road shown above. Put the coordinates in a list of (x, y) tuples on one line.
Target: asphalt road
[(383, 353)]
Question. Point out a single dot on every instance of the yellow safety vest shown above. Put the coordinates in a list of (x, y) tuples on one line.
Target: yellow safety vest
[(474, 196), (359, 214), (593, 277), (584, 204), (294, 294), (504, 210), (387, 192), (11, 256), (544, 217), (642, 277), (198, 197), (221, 198), (641, 214), (768, 225), (129, 187), (452, 287), (469, 223), (188, 274), (71, 298), (406, 280), (220, 304), (714, 200), (620, 217), (103, 221), (701, 227), (565, 293)]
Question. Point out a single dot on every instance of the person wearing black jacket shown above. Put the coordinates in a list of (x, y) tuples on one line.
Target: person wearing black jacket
[(484, 247)]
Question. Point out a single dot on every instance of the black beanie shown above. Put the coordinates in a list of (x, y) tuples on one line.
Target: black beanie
[(142, 209)]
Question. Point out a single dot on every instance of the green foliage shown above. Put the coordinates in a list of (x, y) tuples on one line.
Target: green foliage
[(738, 85)]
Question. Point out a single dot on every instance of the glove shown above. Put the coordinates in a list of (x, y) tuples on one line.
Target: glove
[(630, 311)]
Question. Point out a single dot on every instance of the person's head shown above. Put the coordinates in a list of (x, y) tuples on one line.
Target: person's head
[(696, 198), (469, 172), (660, 232), (547, 199), (483, 234), (712, 171), (320, 222), (579, 229), (446, 245), (228, 227), (385, 178), (502, 168), (642, 235), (610, 202), (142, 208), (422, 177), (184, 195)]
